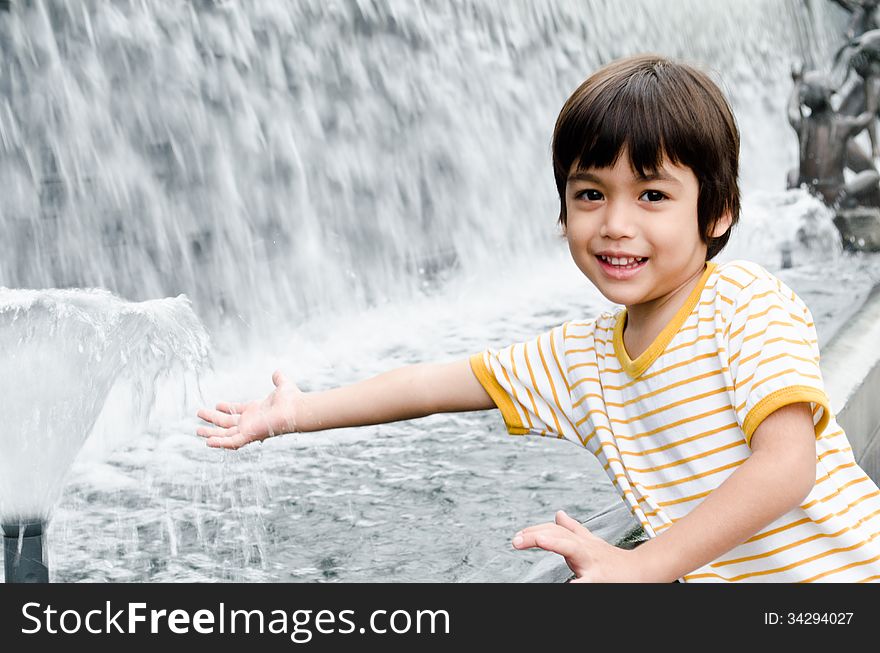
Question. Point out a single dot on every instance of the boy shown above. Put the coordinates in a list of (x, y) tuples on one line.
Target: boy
[(702, 398)]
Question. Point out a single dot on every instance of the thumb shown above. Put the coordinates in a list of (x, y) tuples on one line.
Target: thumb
[(283, 383), (279, 379)]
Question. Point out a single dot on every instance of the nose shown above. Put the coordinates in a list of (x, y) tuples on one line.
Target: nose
[(616, 221)]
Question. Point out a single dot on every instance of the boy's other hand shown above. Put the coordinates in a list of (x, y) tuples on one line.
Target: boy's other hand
[(591, 558), (238, 424)]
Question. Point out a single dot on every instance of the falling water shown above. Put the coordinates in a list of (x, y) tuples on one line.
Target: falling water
[(273, 160)]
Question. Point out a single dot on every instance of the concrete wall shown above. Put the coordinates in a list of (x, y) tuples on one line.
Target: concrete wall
[(851, 370)]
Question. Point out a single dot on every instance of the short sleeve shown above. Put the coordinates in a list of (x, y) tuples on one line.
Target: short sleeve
[(773, 355), (527, 383)]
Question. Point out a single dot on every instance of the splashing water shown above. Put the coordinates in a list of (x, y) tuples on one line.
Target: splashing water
[(63, 353)]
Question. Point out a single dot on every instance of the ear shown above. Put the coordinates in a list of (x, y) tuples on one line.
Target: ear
[(722, 224)]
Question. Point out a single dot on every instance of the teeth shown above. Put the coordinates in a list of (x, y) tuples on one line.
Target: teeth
[(624, 262)]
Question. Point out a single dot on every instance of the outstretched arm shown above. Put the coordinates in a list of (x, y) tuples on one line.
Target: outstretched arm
[(780, 472), (860, 122), (404, 393)]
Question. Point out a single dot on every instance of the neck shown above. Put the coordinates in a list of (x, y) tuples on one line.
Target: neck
[(645, 318)]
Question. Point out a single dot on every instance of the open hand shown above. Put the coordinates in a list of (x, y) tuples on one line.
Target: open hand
[(591, 558), (237, 424)]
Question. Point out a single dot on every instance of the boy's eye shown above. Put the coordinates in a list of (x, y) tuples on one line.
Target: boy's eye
[(652, 196), (590, 194)]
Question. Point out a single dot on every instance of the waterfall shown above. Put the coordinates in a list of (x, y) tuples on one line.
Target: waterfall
[(273, 160)]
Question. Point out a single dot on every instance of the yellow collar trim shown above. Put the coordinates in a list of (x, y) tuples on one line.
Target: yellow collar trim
[(636, 367)]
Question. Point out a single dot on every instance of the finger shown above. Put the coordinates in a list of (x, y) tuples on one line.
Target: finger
[(231, 408), (529, 535), (207, 432), (562, 543), (235, 442), (538, 527), (219, 418), (571, 524), (278, 378)]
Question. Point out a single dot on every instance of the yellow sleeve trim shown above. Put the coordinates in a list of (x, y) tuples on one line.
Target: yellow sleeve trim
[(776, 400), (499, 396)]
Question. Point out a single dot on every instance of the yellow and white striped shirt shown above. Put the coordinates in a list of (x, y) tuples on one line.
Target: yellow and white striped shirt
[(672, 425)]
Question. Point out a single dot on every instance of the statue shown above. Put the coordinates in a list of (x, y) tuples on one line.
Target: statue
[(864, 16), (827, 149), (861, 92), (823, 137)]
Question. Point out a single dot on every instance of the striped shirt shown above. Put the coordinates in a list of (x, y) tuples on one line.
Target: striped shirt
[(670, 426)]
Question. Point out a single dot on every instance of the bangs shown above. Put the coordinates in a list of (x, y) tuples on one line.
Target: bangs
[(622, 125), (650, 114)]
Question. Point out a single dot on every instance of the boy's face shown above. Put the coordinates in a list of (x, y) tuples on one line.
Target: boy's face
[(614, 212)]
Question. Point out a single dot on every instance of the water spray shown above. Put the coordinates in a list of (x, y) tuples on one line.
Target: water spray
[(64, 351), (25, 556)]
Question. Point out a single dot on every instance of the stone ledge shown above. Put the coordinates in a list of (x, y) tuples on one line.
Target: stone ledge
[(851, 371)]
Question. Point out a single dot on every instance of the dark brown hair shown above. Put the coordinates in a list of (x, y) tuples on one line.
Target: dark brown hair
[(656, 109)]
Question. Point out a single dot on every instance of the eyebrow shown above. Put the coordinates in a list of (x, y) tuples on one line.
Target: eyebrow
[(659, 175)]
